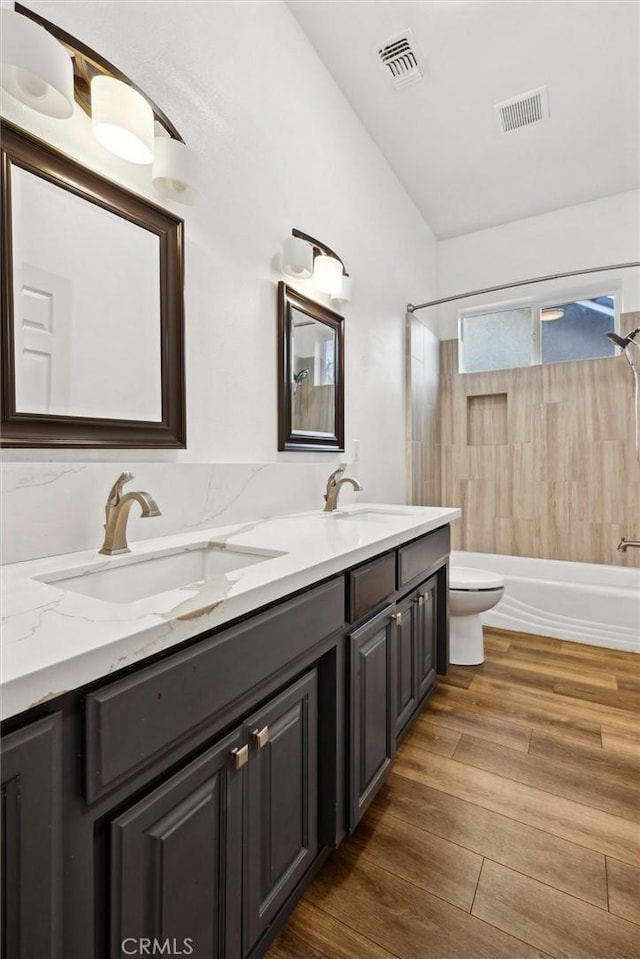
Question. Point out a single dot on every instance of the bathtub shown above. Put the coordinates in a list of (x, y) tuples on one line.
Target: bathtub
[(582, 602)]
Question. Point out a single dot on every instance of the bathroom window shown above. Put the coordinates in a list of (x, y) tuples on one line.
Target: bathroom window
[(536, 333)]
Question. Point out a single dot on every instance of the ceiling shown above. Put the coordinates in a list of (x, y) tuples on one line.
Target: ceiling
[(441, 135)]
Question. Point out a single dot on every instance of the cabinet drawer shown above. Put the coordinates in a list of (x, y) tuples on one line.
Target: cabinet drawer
[(131, 721), (370, 585), (423, 555)]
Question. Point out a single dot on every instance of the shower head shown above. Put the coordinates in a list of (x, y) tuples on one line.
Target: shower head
[(298, 378), (623, 341)]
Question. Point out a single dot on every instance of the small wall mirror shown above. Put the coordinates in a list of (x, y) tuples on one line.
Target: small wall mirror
[(92, 312), (311, 378)]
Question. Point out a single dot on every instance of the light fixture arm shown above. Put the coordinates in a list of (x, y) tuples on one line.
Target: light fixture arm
[(319, 248)]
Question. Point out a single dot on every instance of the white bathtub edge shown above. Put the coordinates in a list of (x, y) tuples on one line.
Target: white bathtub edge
[(534, 604)]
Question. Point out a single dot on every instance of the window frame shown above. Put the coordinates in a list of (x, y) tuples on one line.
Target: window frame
[(537, 305)]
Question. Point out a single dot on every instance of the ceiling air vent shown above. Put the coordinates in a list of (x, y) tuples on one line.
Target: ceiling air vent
[(523, 110), (400, 60)]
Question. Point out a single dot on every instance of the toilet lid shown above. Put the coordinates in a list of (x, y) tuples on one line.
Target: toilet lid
[(463, 577)]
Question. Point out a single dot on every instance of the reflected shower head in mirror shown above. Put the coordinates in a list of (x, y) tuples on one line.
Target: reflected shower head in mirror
[(298, 378)]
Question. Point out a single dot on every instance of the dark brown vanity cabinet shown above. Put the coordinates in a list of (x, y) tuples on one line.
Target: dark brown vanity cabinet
[(414, 651), (191, 799), (176, 859), (426, 624), (372, 706), (281, 834), (209, 858), (392, 656), (405, 656), (31, 840)]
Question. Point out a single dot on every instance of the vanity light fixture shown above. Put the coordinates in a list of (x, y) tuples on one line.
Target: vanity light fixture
[(297, 258), (122, 120), (551, 314), (36, 69), (345, 292), (174, 170), (47, 69), (327, 274), (303, 256)]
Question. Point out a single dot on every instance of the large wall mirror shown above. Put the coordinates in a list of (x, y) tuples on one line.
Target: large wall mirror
[(92, 308), (311, 377)]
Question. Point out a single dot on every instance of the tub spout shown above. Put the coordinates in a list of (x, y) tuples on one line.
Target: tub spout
[(624, 544)]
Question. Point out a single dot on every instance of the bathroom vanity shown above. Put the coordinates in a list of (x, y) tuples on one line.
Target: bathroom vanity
[(177, 766)]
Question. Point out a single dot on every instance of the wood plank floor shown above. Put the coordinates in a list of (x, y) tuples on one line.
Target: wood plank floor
[(509, 826)]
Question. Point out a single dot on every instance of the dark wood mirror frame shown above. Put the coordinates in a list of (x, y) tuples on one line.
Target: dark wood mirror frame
[(19, 429), (288, 439)]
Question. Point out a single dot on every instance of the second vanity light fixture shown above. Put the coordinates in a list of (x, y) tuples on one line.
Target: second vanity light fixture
[(46, 69), (304, 257)]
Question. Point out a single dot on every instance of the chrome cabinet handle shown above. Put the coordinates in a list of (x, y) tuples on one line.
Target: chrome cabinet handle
[(261, 736), (240, 756), (397, 618), (421, 599)]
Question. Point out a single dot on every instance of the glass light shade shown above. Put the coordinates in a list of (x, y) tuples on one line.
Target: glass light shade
[(122, 120), (345, 293), (174, 170), (36, 69), (327, 274), (297, 258), (547, 316)]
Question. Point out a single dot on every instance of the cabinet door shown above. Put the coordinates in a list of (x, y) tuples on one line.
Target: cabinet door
[(31, 842), (177, 860), (373, 710), (281, 838), (406, 660), (426, 636)]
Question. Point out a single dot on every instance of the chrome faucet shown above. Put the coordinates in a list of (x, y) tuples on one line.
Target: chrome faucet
[(624, 544), (334, 486), (117, 512)]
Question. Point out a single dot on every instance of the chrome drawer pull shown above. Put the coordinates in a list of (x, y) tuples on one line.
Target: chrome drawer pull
[(397, 618), (261, 736), (240, 756)]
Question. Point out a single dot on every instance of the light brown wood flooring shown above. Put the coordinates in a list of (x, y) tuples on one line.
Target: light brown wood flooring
[(509, 826)]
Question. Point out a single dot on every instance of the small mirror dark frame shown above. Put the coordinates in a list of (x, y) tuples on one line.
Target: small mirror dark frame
[(19, 429), (288, 438)]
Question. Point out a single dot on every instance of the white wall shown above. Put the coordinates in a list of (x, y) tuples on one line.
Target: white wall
[(279, 147), (603, 232)]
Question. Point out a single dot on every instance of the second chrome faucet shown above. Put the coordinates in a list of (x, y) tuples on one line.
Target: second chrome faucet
[(334, 485)]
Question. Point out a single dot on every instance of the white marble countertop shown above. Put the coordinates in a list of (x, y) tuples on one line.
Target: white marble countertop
[(54, 640)]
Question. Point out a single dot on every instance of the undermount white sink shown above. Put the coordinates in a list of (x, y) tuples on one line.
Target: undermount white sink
[(130, 578), (367, 515)]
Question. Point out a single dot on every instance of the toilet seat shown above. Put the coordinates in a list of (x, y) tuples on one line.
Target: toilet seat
[(466, 579)]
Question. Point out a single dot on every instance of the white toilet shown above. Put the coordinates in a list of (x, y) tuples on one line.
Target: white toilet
[(471, 592)]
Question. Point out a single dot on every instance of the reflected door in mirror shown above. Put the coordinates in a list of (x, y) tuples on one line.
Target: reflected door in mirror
[(86, 307)]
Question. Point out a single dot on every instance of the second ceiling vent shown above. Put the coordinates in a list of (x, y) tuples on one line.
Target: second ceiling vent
[(400, 60), (523, 110)]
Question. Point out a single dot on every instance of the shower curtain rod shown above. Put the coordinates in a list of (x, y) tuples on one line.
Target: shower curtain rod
[(411, 308)]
